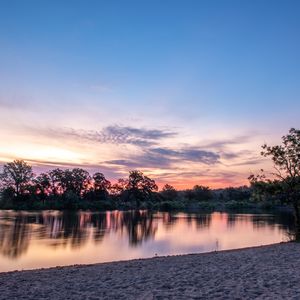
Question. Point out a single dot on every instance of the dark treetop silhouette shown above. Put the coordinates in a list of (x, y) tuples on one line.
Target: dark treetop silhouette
[(77, 189), (286, 185)]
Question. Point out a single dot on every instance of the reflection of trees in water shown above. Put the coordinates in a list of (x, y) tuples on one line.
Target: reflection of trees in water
[(139, 225), (283, 221), (14, 237), (74, 229), (203, 220), (100, 223), (63, 229), (231, 219), (169, 220)]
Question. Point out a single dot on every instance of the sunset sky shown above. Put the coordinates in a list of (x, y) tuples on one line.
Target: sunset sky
[(186, 91)]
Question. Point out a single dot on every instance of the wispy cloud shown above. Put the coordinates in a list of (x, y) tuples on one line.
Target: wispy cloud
[(133, 135), (188, 154), (248, 162), (166, 158), (111, 135), (44, 165), (223, 143)]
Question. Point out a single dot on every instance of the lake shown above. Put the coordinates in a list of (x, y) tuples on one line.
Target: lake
[(30, 240)]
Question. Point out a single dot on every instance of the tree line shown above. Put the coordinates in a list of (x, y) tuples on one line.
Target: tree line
[(77, 189), (70, 188)]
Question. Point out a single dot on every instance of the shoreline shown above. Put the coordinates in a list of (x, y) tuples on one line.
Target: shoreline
[(200, 208), (269, 272), (144, 258)]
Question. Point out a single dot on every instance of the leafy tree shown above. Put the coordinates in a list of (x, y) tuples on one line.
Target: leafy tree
[(167, 187), (16, 176), (286, 159), (236, 193), (42, 185), (56, 178), (98, 188), (100, 182), (202, 193), (119, 187), (169, 192), (140, 187), (76, 181)]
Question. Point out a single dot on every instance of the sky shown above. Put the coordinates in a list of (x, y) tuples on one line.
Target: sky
[(186, 91)]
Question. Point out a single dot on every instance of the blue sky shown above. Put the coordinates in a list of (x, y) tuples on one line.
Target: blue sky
[(210, 72)]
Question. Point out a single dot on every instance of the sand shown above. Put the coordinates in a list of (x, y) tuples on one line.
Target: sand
[(268, 272)]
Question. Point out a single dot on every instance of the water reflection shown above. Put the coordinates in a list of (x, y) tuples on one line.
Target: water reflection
[(69, 228), (14, 237), (85, 237)]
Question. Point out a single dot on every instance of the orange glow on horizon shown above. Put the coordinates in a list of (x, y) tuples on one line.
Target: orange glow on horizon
[(211, 184)]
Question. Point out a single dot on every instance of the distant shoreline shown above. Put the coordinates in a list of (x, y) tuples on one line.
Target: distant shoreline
[(270, 271), (196, 209)]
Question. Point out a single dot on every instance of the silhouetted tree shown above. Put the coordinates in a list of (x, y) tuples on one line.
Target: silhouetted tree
[(201, 193), (16, 176), (119, 187), (42, 185), (56, 177), (99, 187), (75, 180), (140, 187), (236, 193), (169, 192), (286, 159), (100, 182)]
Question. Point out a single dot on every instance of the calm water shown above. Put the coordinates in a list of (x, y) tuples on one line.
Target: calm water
[(43, 239)]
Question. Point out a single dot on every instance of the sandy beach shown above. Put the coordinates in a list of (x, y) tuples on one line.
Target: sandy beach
[(268, 272)]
